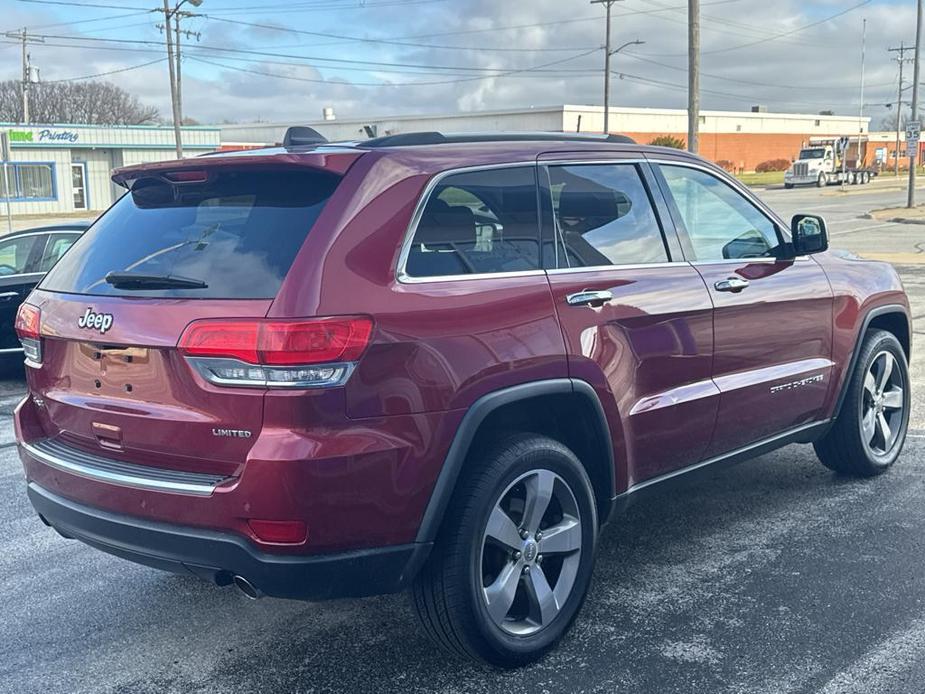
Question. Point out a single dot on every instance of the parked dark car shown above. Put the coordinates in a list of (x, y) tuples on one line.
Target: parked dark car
[(25, 257), (439, 363)]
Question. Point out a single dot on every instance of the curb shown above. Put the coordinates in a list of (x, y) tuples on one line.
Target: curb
[(894, 220)]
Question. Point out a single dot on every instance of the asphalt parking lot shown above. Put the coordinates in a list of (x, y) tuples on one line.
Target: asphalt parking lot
[(774, 576)]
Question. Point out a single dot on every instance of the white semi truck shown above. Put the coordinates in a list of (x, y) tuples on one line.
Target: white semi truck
[(823, 163)]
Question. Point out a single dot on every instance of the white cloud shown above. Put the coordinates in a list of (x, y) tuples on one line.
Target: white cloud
[(808, 71)]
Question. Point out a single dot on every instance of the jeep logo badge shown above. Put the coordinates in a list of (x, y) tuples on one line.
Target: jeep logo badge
[(93, 320)]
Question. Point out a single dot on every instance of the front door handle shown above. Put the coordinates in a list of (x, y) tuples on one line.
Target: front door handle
[(589, 298), (733, 284)]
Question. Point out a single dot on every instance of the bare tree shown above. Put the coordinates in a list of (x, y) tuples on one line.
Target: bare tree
[(101, 103)]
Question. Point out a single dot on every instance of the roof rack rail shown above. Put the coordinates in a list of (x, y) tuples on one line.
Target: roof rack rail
[(301, 135), (438, 138)]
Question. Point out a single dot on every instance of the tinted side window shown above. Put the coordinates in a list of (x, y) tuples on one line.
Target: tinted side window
[(55, 247), (478, 222), (603, 216), (17, 254), (720, 223)]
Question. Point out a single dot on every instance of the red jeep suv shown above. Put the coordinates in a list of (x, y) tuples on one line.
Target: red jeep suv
[(437, 362)]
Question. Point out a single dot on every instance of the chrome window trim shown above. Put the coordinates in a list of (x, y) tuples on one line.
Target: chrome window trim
[(407, 279), (608, 268), (124, 479), (401, 274)]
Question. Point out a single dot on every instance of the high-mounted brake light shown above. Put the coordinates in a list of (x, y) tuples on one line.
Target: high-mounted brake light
[(192, 176), (293, 353), (28, 328)]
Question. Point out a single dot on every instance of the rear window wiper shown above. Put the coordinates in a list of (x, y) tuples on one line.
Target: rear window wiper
[(139, 280)]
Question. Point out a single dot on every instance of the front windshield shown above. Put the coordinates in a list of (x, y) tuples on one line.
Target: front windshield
[(812, 154)]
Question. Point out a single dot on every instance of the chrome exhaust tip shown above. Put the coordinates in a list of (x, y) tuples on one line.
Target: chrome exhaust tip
[(248, 589)]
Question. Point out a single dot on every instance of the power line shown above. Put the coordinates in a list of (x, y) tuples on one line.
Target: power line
[(372, 64), (645, 59), (87, 21), (107, 73), (391, 42), (774, 37), (85, 5), (507, 73)]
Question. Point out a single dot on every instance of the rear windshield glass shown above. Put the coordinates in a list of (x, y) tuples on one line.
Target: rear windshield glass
[(237, 233)]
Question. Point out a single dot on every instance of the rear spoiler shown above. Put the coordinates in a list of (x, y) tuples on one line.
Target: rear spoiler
[(335, 160)]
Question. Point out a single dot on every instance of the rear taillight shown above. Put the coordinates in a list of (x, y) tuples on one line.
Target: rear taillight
[(28, 328), (295, 354)]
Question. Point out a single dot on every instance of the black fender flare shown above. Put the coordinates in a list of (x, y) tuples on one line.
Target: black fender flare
[(856, 350), (472, 420)]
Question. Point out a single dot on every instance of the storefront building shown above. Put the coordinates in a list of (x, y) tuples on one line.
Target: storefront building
[(63, 169)]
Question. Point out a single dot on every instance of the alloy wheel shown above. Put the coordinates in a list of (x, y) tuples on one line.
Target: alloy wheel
[(882, 404), (530, 552)]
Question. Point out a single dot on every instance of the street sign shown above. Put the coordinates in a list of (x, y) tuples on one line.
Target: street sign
[(913, 132)]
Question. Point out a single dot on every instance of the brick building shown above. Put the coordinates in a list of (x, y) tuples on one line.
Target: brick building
[(743, 138)]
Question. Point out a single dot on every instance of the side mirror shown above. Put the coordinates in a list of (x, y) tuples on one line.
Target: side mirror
[(808, 234)]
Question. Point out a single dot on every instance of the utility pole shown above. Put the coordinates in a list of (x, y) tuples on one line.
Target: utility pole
[(901, 59), (27, 79), (177, 31), (607, 54), (913, 154), (693, 75), (173, 64), (859, 163), (172, 68)]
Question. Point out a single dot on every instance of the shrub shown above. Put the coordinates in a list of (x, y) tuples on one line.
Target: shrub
[(727, 165), (773, 165), (669, 141)]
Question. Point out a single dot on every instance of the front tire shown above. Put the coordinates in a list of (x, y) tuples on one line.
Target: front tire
[(514, 559), (870, 430), (822, 181)]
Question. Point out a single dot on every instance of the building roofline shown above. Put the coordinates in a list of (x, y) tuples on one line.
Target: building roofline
[(214, 128), (561, 108), (643, 110)]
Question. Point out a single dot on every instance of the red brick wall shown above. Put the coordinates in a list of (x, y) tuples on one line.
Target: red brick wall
[(744, 150)]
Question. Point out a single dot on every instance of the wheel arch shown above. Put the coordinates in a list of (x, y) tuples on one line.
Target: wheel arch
[(542, 407), (892, 318)]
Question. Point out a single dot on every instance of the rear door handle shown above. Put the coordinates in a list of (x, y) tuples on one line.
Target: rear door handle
[(8, 296), (589, 298), (733, 284)]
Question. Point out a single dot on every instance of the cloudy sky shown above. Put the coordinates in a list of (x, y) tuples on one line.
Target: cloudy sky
[(284, 61)]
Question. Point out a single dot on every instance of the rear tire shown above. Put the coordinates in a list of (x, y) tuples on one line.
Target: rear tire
[(870, 430), (507, 579)]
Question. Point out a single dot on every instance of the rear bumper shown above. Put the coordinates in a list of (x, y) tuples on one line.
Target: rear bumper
[(218, 556)]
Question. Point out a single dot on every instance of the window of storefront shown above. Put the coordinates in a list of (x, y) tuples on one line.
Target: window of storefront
[(32, 181)]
